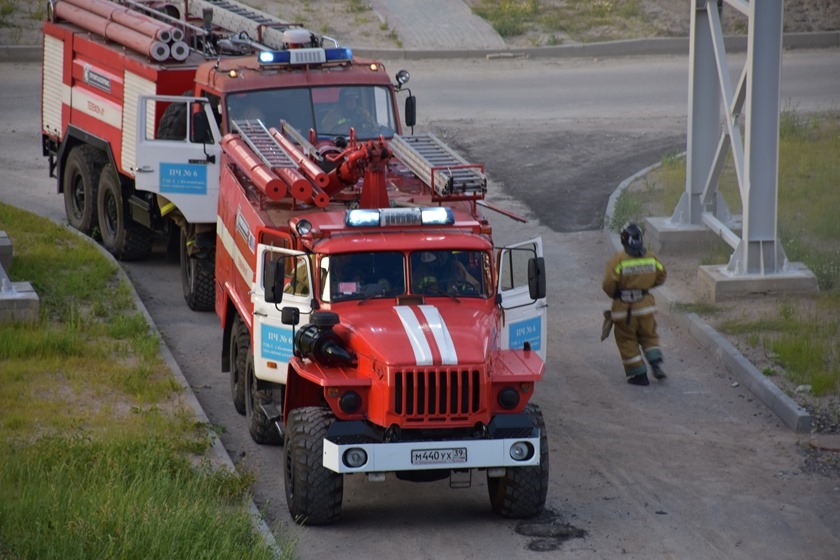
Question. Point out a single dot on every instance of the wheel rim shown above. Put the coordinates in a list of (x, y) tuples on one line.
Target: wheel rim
[(77, 197), (110, 213)]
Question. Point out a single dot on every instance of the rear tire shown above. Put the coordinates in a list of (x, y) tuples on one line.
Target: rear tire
[(121, 236), (522, 491), (198, 278), (80, 180), (260, 426), (240, 345), (313, 492)]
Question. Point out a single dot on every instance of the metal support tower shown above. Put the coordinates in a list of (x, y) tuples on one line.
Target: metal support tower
[(757, 95)]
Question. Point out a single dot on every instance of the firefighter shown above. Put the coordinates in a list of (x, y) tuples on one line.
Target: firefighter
[(628, 279), (347, 113)]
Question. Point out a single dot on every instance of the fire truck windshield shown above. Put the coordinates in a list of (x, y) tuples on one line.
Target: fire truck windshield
[(450, 272), (359, 276), (362, 276), (331, 111)]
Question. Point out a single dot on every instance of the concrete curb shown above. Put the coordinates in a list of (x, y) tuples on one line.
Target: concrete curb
[(633, 47), (794, 416)]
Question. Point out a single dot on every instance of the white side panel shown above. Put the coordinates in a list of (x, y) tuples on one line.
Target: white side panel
[(53, 87), (135, 86), (525, 319)]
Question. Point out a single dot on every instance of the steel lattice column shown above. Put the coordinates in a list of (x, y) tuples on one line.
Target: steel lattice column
[(760, 251), (757, 95)]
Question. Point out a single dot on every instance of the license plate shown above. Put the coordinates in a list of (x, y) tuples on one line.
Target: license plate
[(438, 456)]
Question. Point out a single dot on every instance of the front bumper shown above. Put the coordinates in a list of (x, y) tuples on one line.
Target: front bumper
[(505, 432)]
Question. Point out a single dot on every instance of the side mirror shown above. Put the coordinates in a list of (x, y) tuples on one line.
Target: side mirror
[(201, 129), (410, 113), (274, 282), (536, 278)]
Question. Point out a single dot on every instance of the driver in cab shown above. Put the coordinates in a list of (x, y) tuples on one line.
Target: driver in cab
[(347, 113), (441, 272)]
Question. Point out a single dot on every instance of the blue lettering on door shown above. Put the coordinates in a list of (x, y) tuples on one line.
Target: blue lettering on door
[(529, 330), (183, 178), (276, 343)]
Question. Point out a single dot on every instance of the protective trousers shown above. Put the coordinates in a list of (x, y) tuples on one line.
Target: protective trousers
[(639, 330)]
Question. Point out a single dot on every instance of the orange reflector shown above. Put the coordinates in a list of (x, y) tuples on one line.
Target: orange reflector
[(272, 365)]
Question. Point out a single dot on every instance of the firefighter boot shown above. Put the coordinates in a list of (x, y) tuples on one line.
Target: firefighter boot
[(657, 369), (639, 380)]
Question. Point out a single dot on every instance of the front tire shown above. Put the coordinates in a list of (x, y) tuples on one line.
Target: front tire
[(121, 236), (313, 492), (80, 179), (240, 345), (260, 426), (522, 491), (198, 278)]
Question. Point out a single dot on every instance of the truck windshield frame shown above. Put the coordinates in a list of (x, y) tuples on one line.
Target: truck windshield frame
[(307, 108)]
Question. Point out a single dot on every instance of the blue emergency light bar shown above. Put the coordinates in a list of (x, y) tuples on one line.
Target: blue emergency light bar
[(395, 217), (306, 56)]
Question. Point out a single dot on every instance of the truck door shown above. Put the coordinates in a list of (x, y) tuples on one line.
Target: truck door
[(179, 157), (524, 318), (273, 341)]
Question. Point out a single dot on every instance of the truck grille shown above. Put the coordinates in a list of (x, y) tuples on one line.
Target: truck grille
[(429, 395)]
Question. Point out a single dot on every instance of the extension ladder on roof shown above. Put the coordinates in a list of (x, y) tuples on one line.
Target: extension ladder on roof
[(441, 168), (256, 135)]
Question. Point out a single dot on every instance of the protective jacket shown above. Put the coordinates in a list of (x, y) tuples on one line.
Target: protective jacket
[(627, 281)]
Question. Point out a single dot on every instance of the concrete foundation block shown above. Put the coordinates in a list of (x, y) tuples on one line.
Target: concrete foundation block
[(719, 285), (664, 238), (19, 302)]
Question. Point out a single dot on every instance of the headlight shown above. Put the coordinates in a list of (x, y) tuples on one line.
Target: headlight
[(355, 457), (521, 451)]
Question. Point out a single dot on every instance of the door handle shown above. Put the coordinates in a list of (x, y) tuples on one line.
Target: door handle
[(143, 169), (260, 314)]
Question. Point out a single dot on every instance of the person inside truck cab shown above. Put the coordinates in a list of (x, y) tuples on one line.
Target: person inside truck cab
[(297, 277), (441, 272), (347, 113)]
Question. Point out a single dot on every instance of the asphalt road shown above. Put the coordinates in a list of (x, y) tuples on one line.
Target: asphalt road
[(691, 468)]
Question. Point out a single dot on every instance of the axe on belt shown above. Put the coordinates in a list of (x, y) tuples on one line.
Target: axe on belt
[(607, 325)]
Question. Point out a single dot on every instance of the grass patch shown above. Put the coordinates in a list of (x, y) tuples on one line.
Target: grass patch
[(140, 498), (97, 448)]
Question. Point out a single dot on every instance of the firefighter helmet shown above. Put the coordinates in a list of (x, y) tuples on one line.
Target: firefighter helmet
[(632, 240)]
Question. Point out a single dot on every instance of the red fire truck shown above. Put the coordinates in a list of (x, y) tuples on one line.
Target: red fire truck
[(370, 324)]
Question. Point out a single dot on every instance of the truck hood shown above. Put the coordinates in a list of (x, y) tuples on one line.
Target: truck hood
[(463, 332)]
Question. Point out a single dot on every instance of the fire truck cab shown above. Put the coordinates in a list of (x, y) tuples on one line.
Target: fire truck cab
[(384, 340)]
